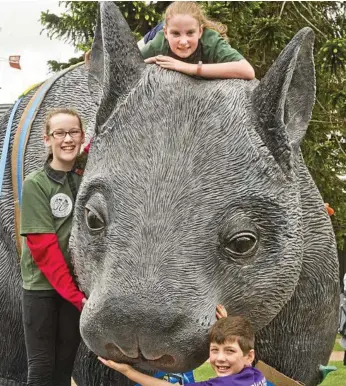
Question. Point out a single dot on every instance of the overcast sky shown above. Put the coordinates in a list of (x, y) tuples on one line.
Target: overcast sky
[(20, 29)]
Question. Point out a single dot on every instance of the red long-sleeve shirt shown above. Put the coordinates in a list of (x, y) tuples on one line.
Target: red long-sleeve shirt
[(45, 251)]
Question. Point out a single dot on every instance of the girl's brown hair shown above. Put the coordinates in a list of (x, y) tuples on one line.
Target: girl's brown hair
[(54, 112), (193, 9)]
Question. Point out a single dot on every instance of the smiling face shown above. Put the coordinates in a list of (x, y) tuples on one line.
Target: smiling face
[(228, 358), (183, 33), (65, 148)]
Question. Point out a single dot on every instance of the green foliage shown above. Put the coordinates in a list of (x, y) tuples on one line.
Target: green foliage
[(332, 56), (76, 25), (259, 30), (140, 16), (57, 66)]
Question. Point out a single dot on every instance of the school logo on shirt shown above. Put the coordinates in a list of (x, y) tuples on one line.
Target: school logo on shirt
[(61, 205)]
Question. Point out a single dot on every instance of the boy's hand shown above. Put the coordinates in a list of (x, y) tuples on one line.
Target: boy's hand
[(121, 367), (221, 312)]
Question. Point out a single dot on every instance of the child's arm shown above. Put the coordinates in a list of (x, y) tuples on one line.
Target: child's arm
[(241, 69), (134, 375), (238, 70), (50, 260)]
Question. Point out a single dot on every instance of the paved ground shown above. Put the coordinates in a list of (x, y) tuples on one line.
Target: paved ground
[(337, 356)]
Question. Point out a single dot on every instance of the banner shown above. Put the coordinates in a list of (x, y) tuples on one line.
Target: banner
[(14, 61)]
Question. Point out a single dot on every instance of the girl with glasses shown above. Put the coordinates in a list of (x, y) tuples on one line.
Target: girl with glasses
[(51, 299)]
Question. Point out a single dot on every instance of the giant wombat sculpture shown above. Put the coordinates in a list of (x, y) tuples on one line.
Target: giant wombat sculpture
[(195, 194)]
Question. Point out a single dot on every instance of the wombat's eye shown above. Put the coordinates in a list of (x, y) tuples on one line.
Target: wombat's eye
[(93, 220), (241, 244)]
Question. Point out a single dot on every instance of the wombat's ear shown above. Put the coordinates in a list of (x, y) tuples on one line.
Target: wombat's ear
[(115, 63), (284, 99)]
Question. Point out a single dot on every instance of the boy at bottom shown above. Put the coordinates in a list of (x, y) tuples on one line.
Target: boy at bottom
[(231, 350)]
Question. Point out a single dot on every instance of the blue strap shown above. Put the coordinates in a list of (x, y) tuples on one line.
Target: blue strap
[(152, 33), (23, 133), (6, 144), (27, 124)]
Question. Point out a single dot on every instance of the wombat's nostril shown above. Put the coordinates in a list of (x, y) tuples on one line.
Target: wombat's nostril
[(112, 349), (129, 352)]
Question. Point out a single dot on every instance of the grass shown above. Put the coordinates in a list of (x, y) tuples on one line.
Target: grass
[(337, 346), (335, 378), (204, 372)]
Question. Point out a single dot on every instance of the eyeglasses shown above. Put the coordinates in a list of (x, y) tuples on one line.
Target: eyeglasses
[(61, 134)]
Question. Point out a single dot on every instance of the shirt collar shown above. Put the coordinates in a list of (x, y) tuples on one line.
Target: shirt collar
[(58, 176)]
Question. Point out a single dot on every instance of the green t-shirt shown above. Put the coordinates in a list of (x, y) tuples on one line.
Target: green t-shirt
[(47, 207), (214, 49)]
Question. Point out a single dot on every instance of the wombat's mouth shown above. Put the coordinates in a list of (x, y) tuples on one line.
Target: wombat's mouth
[(165, 362)]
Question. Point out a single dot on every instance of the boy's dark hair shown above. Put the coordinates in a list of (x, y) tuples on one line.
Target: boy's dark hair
[(233, 329)]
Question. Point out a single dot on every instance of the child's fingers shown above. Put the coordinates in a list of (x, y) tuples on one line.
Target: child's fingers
[(164, 59), (160, 61), (104, 361), (121, 367), (165, 62), (109, 363), (168, 66), (165, 65), (150, 60), (221, 311)]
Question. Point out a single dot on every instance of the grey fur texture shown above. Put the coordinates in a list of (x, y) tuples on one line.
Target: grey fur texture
[(195, 194)]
